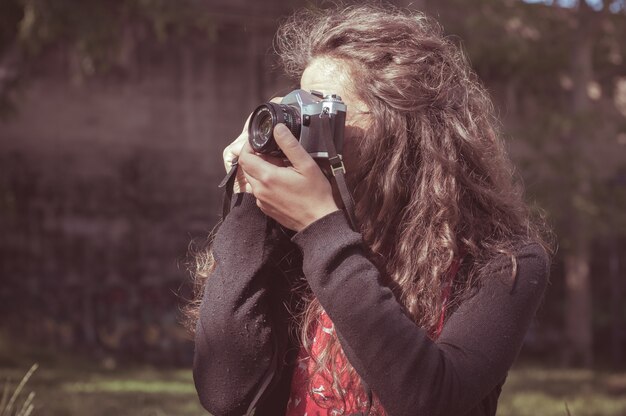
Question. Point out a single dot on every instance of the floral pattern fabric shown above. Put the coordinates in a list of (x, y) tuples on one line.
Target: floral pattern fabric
[(327, 401)]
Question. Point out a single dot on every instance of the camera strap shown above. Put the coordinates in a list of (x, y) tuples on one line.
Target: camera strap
[(227, 183), (337, 166)]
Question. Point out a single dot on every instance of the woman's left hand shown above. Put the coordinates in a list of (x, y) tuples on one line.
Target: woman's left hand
[(295, 195)]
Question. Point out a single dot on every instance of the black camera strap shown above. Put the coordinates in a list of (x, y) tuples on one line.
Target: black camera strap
[(337, 167), (228, 183), (339, 172)]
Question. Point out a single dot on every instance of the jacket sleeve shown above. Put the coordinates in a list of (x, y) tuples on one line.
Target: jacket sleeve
[(235, 338), (411, 374)]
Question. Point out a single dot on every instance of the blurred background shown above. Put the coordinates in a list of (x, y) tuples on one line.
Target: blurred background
[(113, 117)]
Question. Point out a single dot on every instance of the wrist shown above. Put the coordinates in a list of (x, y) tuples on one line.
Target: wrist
[(319, 231), (319, 214)]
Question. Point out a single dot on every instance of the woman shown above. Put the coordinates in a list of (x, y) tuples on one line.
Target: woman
[(423, 310)]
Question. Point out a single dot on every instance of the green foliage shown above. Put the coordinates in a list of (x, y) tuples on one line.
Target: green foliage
[(508, 39), (524, 51)]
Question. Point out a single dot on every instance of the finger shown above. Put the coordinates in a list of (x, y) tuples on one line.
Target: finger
[(241, 184), (246, 150), (254, 185), (229, 155), (243, 148), (239, 188), (276, 161), (292, 148), (255, 166), (234, 149), (235, 146)]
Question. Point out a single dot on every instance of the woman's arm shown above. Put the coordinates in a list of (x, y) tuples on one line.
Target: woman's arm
[(236, 336), (408, 372)]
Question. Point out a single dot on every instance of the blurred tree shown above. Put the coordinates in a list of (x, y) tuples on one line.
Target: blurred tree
[(590, 155), (559, 73), (577, 258)]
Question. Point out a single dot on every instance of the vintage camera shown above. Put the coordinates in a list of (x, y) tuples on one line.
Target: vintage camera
[(300, 111)]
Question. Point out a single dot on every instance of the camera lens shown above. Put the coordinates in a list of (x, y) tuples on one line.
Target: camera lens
[(263, 121), (265, 125)]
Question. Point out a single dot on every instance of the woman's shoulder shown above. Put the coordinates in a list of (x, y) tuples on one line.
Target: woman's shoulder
[(525, 253), (525, 268), (534, 256), (531, 250)]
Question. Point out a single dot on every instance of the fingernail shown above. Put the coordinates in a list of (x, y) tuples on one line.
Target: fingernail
[(281, 129)]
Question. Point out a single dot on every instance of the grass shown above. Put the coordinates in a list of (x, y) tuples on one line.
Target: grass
[(66, 385), (10, 398), (86, 391), (532, 390), (146, 391)]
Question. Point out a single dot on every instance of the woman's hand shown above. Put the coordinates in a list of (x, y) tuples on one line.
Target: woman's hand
[(295, 195), (231, 152)]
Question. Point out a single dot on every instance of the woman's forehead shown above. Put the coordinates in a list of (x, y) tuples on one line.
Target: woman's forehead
[(326, 75), (332, 76)]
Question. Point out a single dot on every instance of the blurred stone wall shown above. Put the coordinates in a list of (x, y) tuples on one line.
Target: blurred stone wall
[(105, 180)]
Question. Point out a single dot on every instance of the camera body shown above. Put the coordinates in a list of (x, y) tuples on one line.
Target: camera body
[(300, 111)]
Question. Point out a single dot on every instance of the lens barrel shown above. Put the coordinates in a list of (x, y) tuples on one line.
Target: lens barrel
[(262, 122)]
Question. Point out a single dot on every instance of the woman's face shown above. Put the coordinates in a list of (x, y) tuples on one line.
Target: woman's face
[(331, 76)]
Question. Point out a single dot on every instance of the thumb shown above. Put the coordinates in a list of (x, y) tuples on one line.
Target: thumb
[(291, 147)]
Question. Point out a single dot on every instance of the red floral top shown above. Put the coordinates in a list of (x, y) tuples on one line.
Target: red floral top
[(301, 403)]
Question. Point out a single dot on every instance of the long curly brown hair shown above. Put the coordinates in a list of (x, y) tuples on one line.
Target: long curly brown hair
[(434, 183)]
